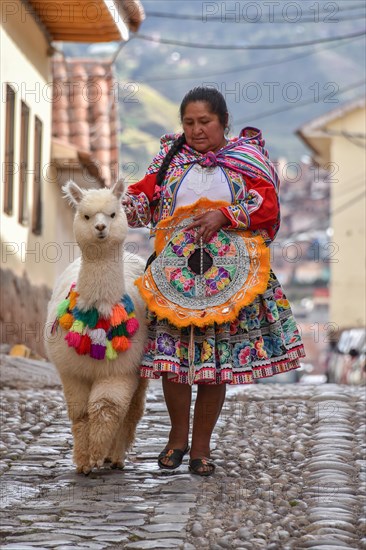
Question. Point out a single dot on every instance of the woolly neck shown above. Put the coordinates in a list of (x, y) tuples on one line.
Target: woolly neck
[(100, 281)]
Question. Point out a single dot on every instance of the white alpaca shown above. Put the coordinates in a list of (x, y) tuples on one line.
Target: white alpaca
[(105, 398)]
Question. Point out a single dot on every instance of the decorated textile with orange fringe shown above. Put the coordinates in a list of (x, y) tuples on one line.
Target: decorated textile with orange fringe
[(201, 284)]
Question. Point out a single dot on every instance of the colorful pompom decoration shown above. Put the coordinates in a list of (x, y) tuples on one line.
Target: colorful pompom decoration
[(96, 336)]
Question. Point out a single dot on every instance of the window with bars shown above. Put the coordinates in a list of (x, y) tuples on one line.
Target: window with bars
[(37, 179), (23, 172), (8, 168)]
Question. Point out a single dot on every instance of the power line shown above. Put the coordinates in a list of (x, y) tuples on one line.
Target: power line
[(359, 182), (287, 21), (355, 142), (268, 63), (248, 47), (352, 137), (274, 111), (347, 204), (343, 133), (191, 17), (298, 104)]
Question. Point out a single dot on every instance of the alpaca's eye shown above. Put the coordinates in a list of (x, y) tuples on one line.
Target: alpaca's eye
[(112, 215), (86, 217)]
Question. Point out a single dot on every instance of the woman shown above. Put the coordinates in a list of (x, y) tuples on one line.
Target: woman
[(262, 339)]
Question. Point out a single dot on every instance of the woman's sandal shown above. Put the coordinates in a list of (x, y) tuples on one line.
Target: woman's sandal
[(174, 455), (196, 465)]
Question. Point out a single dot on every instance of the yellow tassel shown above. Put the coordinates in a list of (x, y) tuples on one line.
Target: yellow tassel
[(111, 352), (77, 326)]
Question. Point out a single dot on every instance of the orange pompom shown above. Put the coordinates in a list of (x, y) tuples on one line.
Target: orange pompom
[(120, 343), (119, 315), (73, 298), (66, 321)]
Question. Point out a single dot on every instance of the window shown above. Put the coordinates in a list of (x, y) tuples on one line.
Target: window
[(23, 173), (9, 150), (37, 188)]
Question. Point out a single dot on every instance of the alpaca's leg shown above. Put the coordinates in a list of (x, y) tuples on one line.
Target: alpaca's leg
[(108, 406), (126, 435), (135, 411), (77, 395), (117, 451)]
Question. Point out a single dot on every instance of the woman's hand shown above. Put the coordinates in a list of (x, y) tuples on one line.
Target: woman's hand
[(208, 223), (127, 205), (126, 201)]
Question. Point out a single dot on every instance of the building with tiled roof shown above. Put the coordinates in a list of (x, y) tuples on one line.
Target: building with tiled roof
[(58, 121)]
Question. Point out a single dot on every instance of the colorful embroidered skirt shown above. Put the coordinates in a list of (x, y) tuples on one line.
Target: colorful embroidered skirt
[(262, 341)]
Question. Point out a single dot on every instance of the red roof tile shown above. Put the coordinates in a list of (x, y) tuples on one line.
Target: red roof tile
[(85, 111)]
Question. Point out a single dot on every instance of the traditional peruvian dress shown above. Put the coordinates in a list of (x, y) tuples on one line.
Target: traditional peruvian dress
[(227, 321)]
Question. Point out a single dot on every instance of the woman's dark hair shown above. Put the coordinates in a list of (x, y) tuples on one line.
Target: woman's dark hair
[(217, 106), (212, 97), (165, 164)]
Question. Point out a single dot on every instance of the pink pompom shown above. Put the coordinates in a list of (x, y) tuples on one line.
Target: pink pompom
[(73, 339), (132, 326)]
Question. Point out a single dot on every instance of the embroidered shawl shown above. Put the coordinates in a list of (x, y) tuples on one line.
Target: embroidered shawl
[(245, 154)]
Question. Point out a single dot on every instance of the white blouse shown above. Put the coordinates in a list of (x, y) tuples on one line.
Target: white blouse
[(211, 183)]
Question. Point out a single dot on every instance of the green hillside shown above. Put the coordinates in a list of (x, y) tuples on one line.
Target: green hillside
[(142, 123), (276, 88)]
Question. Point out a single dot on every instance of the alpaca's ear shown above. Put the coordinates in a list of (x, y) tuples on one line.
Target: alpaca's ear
[(118, 188), (72, 192)]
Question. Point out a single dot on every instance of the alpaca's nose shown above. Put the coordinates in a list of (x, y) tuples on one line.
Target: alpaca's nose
[(100, 227)]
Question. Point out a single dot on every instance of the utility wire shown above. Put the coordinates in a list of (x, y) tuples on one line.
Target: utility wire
[(247, 21), (273, 111), (356, 143), (345, 134), (359, 182), (347, 204), (352, 137), (298, 104), (268, 63), (191, 17), (248, 47)]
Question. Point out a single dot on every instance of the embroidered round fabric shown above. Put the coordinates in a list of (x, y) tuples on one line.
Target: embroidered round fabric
[(198, 284), (179, 278)]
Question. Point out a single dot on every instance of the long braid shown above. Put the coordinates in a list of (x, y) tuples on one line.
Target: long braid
[(177, 145)]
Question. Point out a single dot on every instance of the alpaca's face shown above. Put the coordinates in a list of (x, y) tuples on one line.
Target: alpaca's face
[(100, 219)]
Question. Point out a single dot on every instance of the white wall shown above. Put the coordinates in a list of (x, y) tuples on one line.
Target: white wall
[(25, 64), (347, 307)]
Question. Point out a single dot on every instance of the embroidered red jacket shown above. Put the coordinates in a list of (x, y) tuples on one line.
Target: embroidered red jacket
[(255, 207)]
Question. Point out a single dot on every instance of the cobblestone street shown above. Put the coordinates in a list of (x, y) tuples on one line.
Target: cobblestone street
[(290, 473)]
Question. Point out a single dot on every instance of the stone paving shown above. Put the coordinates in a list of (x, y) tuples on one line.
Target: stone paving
[(290, 474)]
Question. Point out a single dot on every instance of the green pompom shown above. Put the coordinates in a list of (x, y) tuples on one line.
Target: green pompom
[(89, 317), (120, 330), (63, 307)]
